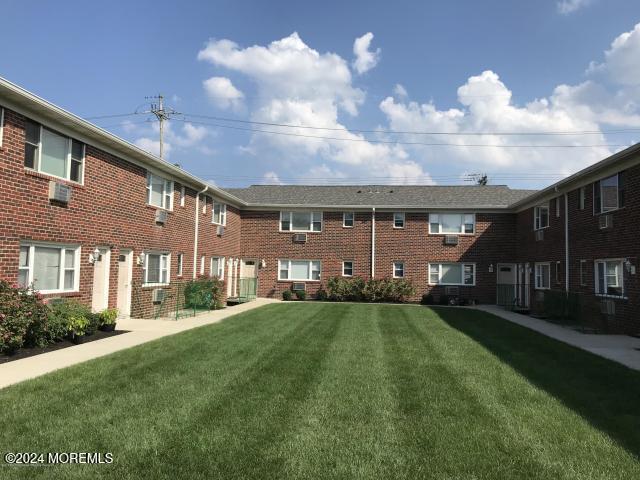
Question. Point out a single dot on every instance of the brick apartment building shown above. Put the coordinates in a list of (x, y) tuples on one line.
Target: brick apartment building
[(90, 216)]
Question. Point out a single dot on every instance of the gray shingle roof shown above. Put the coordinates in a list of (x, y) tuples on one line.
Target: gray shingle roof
[(412, 196)]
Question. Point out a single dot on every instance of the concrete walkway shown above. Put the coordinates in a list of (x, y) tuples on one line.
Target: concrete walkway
[(619, 348), (141, 331)]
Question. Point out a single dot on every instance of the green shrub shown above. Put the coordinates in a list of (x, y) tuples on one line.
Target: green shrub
[(321, 294), (205, 292), (78, 324), (301, 294), (341, 289), (377, 290), (444, 300), (287, 295), (427, 299), (108, 316), (23, 317)]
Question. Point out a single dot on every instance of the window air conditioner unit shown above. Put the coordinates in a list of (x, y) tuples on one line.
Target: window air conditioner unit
[(605, 221), (451, 240), (158, 295), (539, 235), (161, 216), (300, 238), (59, 192), (298, 286), (220, 230), (452, 291), (608, 307)]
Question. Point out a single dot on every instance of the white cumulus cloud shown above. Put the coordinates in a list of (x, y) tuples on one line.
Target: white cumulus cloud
[(223, 93), (566, 7), (365, 59)]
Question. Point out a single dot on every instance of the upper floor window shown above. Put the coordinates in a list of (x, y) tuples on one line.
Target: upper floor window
[(542, 276), (452, 223), (155, 270), (300, 270), (558, 206), (398, 220), (301, 221), (50, 268), (540, 217), (609, 278), (49, 152), (159, 191), (581, 198), (608, 194), (219, 213), (348, 219), (452, 274)]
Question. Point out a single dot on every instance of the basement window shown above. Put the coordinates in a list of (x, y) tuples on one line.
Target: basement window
[(49, 152), (49, 268)]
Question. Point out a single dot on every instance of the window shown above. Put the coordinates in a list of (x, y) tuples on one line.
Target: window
[(542, 272), (581, 198), (609, 278), (540, 217), (347, 269), (461, 223), (398, 220), (348, 219), (217, 267), (299, 270), (202, 260), (301, 221), (398, 270), (558, 266), (205, 200), (49, 152), (183, 194), (159, 191), (608, 194), (583, 272), (1, 125), (180, 262), (452, 274), (219, 213), (156, 269), (49, 268), (558, 199)]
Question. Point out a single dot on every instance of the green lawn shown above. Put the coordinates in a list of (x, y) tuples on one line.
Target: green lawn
[(316, 390)]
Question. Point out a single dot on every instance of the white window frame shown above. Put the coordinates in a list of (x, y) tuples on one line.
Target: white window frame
[(434, 218), (62, 248), (395, 267), (344, 274), (287, 262), (1, 125), (221, 264), (583, 273), (203, 259), (538, 275), (463, 266), (37, 163), (619, 278), (222, 214), (183, 193), (180, 261), (401, 216), (311, 213), (537, 217), (167, 191), (344, 219), (601, 196), (145, 269)]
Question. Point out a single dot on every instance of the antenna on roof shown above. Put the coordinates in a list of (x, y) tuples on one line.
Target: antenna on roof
[(478, 178)]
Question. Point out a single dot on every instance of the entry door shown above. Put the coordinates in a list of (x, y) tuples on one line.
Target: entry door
[(125, 265), (100, 299), (249, 268), (506, 284)]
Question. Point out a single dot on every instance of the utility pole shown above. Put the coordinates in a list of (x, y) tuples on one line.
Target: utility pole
[(161, 114)]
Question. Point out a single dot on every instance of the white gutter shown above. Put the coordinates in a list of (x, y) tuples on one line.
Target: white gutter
[(373, 242), (195, 240), (566, 241)]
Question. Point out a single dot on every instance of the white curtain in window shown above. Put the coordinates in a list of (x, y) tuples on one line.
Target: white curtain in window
[(156, 191), (46, 268), (53, 158), (153, 268), (299, 270), (300, 220), (450, 222)]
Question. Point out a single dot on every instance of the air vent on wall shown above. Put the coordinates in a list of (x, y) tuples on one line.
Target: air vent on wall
[(451, 240), (158, 295), (161, 216), (298, 286), (300, 238), (59, 192), (220, 230), (452, 291)]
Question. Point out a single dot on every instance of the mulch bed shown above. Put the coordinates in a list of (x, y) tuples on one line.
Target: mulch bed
[(30, 352)]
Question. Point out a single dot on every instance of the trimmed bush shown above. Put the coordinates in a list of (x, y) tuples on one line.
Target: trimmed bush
[(23, 318), (322, 295), (287, 295), (345, 289), (301, 294), (377, 290), (427, 299)]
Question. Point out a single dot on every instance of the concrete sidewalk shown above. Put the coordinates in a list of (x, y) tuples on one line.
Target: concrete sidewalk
[(619, 348), (140, 331)]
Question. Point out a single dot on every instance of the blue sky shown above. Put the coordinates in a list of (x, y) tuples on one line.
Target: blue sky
[(495, 67)]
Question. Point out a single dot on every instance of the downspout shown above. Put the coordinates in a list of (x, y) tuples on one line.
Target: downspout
[(566, 241), (195, 241), (373, 242)]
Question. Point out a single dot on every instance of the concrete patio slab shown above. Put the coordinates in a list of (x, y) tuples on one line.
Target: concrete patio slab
[(619, 348), (140, 331)]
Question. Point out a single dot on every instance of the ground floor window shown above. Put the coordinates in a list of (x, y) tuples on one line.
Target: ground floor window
[(299, 270), (347, 269), (217, 267), (156, 269), (49, 268), (542, 272), (609, 278), (398, 270), (452, 274)]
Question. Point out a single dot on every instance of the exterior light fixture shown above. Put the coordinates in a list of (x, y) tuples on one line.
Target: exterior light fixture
[(94, 256)]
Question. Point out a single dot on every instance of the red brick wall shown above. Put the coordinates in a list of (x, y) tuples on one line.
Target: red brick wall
[(108, 210)]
